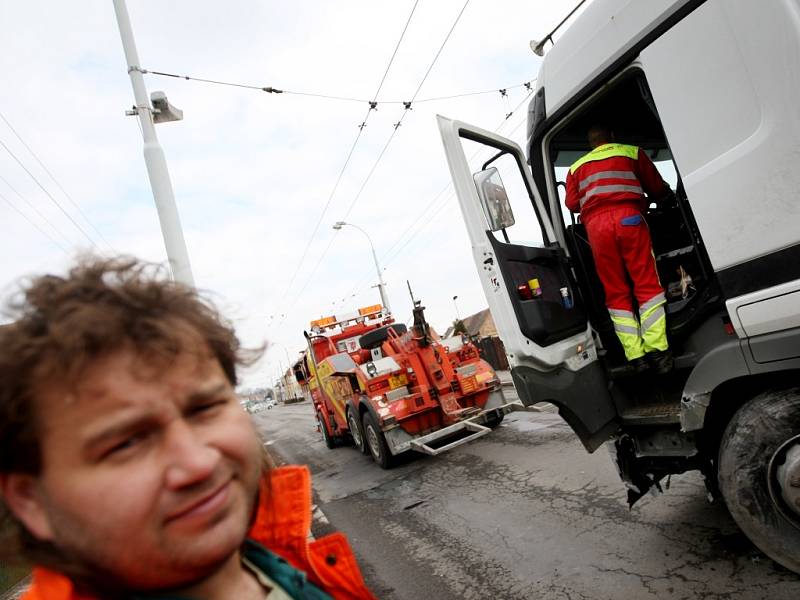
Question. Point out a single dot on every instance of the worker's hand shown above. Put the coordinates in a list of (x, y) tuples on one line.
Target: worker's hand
[(663, 202)]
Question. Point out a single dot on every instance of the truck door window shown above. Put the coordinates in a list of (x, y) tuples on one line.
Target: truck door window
[(526, 229)]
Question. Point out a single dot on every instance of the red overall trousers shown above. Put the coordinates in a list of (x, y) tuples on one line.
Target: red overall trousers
[(607, 187)]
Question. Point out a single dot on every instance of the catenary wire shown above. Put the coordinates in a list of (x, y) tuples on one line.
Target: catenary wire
[(386, 145), (34, 224), (49, 195), (349, 156), (394, 53), (405, 112), (335, 97), (53, 178), (35, 210)]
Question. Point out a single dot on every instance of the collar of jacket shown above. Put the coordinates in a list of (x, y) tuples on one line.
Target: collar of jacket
[(282, 524), (606, 151)]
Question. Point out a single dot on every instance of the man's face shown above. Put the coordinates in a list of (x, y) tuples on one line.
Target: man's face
[(149, 476)]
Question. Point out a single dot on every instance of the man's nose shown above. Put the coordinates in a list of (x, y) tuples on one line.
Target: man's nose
[(190, 459)]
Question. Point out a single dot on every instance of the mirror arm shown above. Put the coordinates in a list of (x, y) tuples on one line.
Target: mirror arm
[(494, 158)]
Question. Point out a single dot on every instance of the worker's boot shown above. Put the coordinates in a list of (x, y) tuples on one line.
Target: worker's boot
[(661, 361)]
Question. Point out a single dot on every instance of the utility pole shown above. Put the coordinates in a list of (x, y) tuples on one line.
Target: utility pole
[(154, 156)]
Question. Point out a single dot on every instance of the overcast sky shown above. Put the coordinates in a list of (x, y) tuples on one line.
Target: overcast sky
[(252, 171)]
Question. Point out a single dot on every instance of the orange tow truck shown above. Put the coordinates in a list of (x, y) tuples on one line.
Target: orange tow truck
[(390, 390)]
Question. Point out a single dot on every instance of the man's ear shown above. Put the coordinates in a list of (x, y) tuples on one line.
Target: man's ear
[(23, 496)]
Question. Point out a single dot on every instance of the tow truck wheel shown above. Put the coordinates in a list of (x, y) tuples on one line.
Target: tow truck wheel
[(376, 442), (329, 441), (356, 432), (759, 473)]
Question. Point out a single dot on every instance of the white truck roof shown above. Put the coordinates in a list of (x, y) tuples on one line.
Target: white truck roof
[(603, 32)]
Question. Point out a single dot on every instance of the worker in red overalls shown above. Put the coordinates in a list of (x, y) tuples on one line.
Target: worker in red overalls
[(608, 186)]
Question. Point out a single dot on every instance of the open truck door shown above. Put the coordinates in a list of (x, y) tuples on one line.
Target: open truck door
[(528, 282)]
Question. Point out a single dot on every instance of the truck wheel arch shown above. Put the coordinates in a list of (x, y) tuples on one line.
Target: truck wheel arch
[(727, 398), (364, 406)]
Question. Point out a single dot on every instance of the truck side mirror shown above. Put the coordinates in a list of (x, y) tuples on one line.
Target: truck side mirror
[(494, 199)]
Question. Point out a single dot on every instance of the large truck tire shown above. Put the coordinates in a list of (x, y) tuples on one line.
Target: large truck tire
[(376, 442), (376, 337), (356, 431), (759, 473), (329, 440)]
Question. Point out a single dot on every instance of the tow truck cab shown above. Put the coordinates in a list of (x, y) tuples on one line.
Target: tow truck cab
[(696, 84)]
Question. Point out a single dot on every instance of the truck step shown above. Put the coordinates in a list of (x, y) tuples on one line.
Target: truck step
[(665, 413), (421, 444)]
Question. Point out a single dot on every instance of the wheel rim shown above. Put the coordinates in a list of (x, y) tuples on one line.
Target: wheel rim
[(354, 431), (784, 480), (374, 444), (322, 428)]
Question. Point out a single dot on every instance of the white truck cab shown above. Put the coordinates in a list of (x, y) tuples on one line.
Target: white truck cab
[(709, 88)]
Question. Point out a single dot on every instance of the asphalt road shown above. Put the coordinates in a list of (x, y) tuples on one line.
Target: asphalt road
[(522, 513)]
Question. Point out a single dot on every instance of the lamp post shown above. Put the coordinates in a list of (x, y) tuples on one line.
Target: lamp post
[(161, 111), (458, 317), (381, 286)]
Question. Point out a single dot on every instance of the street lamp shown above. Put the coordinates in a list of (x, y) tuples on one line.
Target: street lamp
[(456, 305), (381, 286)]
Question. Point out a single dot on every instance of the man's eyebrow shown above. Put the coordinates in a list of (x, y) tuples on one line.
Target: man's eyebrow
[(208, 392), (120, 428)]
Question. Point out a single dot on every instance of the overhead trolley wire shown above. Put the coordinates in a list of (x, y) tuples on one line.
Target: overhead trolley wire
[(49, 195), (53, 178), (388, 142), (34, 224), (335, 97), (405, 111), (396, 48), (36, 210), (349, 156)]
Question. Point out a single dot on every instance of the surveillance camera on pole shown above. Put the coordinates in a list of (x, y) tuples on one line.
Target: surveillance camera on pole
[(163, 111)]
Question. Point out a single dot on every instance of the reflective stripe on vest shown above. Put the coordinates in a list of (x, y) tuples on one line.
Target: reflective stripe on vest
[(609, 189), (606, 151), (605, 175)]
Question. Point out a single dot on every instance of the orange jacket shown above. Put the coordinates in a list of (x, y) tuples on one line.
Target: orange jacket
[(282, 525)]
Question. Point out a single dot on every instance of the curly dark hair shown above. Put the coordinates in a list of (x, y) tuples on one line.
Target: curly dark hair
[(60, 325)]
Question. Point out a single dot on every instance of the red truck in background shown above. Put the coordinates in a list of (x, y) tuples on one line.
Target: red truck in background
[(390, 390)]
